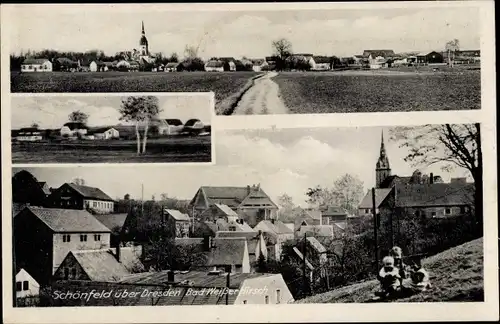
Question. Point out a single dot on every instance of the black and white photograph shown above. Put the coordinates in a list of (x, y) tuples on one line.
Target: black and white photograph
[(332, 215), (407, 58), (110, 128)]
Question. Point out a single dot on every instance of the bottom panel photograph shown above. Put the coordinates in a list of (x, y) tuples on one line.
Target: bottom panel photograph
[(293, 215)]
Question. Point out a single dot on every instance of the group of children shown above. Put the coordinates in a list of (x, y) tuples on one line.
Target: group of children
[(394, 271)]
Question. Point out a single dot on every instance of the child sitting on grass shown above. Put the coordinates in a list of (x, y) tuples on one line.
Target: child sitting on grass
[(388, 277), (397, 253), (419, 278)]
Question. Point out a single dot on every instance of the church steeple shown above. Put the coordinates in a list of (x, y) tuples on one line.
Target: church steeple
[(143, 33), (383, 169), (143, 43)]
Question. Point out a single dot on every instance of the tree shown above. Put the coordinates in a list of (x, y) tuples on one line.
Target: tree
[(190, 52), (35, 125), (319, 197), (451, 145), (282, 49), (451, 47), (173, 58), (79, 181), (348, 192), (78, 117), (140, 110), (285, 201)]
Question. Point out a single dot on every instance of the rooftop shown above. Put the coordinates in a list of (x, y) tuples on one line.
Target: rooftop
[(90, 192)]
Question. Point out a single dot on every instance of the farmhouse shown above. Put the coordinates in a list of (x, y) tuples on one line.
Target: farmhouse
[(278, 231), (44, 236), (384, 53), (26, 285), (334, 215), (73, 196), (36, 65), (321, 63), (251, 203), (259, 65), (419, 195), (214, 66), (176, 221), (93, 66), (28, 134), (104, 133), (73, 129), (173, 67), (255, 240), (170, 127), (115, 223), (65, 64), (434, 58)]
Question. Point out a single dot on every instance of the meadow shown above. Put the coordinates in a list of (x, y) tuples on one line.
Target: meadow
[(226, 85), (182, 149), (379, 91)]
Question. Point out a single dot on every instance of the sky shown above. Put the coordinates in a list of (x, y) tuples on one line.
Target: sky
[(282, 161), (341, 32), (52, 111)]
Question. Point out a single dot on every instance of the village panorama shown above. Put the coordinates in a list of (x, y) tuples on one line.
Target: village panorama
[(120, 236), (351, 70)]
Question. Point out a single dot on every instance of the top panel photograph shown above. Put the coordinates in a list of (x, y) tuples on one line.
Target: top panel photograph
[(256, 61)]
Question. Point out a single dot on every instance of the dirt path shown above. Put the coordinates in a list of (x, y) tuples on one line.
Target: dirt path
[(262, 98)]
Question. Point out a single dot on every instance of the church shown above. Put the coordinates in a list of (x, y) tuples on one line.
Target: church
[(420, 195), (141, 56)]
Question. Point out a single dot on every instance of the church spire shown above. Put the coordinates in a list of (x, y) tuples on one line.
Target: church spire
[(382, 145), (383, 169), (144, 33)]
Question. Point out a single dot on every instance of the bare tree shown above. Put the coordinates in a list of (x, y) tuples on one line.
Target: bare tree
[(190, 52), (282, 49), (451, 47), (78, 117), (35, 125), (451, 145), (348, 192), (141, 110), (79, 181)]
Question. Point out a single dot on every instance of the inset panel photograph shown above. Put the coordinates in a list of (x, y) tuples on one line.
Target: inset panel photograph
[(112, 128)]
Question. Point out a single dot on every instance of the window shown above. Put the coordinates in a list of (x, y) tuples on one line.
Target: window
[(83, 237), (244, 302), (66, 273), (26, 285), (447, 211), (95, 204), (232, 228), (66, 238), (73, 273), (433, 214), (267, 299), (278, 296), (417, 213), (97, 237), (19, 286)]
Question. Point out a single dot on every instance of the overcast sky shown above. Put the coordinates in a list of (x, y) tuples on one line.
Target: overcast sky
[(286, 160), (53, 111), (338, 32)]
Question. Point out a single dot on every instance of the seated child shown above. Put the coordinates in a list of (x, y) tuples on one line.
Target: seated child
[(419, 279), (388, 277), (397, 253)]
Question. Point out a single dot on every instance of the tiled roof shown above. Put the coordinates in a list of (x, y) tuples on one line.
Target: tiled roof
[(380, 195), (315, 214), (227, 251), (100, 265), (437, 194), (112, 221), (334, 211), (230, 196), (90, 192), (215, 64), (382, 52), (394, 179), (278, 227), (35, 61), (317, 230), (68, 220), (172, 65), (322, 59), (316, 244), (240, 234), (173, 122), (226, 210), (177, 215), (130, 258)]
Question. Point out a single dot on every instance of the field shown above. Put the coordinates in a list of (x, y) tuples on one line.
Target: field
[(456, 275), (182, 149), (224, 84), (379, 91)]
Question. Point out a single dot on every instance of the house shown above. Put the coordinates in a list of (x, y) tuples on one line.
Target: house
[(193, 126), (321, 63), (365, 207), (178, 222), (73, 129), (45, 187), (333, 214), (65, 64), (384, 53), (104, 133), (307, 217), (219, 211), (93, 66), (115, 223), (181, 288), (257, 245), (229, 63), (251, 203), (28, 134), (26, 285), (108, 265), (36, 65), (259, 65), (214, 66), (44, 236), (73, 196), (229, 253), (279, 231), (434, 58), (174, 67), (170, 127), (123, 65)]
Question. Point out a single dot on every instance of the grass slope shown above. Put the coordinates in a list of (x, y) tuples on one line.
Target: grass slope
[(456, 275)]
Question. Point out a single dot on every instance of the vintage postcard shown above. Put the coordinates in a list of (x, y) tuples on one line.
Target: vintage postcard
[(111, 128), (271, 162)]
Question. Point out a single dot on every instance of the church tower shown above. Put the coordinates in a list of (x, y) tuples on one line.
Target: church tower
[(382, 170), (143, 44)]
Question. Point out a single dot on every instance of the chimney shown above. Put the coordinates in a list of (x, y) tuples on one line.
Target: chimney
[(171, 276), (431, 180)]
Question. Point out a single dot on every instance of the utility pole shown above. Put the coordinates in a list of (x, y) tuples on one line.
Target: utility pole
[(228, 281), (142, 200), (304, 265), (375, 228)]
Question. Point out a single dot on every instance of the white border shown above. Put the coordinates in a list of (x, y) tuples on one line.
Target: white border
[(487, 310)]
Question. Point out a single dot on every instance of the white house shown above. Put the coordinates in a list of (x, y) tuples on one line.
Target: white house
[(170, 127), (105, 133), (320, 63), (36, 65), (214, 66), (29, 134), (26, 285), (193, 125), (93, 67), (259, 65), (172, 67), (73, 129), (377, 62)]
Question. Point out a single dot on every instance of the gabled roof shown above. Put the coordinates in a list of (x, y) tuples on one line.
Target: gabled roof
[(173, 122), (172, 64), (322, 59), (99, 130), (316, 244), (112, 221), (317, 230), (90, 192), (379, 52), (44, 187), (177, 215), (191, 122), (227, 251), (380, 195), (278, 227), (35, 60), (226, 210), (230, 196), (215, 64), (334, 211), (437, 194), (249, 235), (67, 220), (100, 265)]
